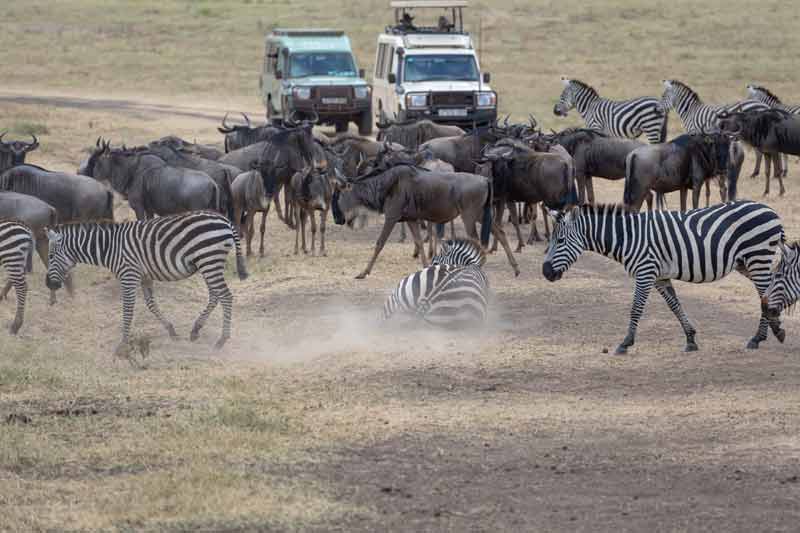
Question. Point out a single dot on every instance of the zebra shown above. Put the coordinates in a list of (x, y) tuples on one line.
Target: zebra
[(169, 248), (784, 288), (764, 95), (16, 245), (699, 246), (624, 118), (452, 292)]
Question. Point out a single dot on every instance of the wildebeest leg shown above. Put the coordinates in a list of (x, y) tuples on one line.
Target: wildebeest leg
[(644, 284), (590, 189), (708, 193), (150, 301), (499, 209), (500, 235), (403, 236), (534, 235), (323, 216), (779, 172), (247, 230), (546, 218), (666, 290), (313, 220), (297, 232), (303, 220), (263, 230), (413, 227), (768, 159), (388, 226), (757, 169), (785, 165), (452, 229), (514, 216)]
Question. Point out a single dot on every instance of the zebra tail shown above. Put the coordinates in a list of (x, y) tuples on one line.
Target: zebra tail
[(628, 194), (486, 224), (29, 258), (241, 265)]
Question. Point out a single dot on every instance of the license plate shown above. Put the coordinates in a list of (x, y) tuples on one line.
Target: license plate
[(334, 100), (452, 112)]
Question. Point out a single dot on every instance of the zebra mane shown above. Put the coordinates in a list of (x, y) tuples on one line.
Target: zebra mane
[(766, 91), (584, 85), (692, 93), (617, 210)]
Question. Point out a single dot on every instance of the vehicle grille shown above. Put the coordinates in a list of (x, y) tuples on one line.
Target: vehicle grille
[(461, 99), (333, 92)]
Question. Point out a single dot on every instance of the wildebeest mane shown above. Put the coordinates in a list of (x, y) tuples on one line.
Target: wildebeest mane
[(373, 190)]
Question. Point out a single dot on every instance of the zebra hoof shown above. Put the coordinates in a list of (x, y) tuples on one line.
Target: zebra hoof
[(780, 335), (753, 344), (172, 333), (691, 347), (15, 328), (194, 335), (220, 343), (621, 350)]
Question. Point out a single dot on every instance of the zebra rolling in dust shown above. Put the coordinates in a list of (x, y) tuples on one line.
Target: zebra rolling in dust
[(16, 244), (453, 292), (700, 246), (168, 248)]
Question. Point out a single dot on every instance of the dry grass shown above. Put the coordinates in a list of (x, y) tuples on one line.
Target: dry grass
[(313, 417)]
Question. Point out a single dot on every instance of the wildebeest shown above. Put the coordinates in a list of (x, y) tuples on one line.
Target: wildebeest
[(150, 185), (462, 150), (772, 132), (75, 198), (521, 174), (249, 198), (201, 150), (684, 163), (239, 136), (355, 151), (222, 174), (12, 153), (311, 192), (412, 133), (37, 215), (405, 193)]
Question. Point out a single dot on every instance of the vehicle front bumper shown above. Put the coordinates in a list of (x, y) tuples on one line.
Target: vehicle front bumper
[(478, 116)]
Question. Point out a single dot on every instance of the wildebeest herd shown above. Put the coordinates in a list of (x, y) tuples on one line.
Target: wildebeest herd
[(193, 202)]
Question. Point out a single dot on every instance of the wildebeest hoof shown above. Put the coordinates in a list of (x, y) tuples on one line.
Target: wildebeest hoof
[(621, 350), (691, 347), (516, 272), (362, 275), (15, 328), (754, 175), (519, 249), (781, 335), (194, 335), (753, 344), (122, 351), (783, 191), (172, 333)]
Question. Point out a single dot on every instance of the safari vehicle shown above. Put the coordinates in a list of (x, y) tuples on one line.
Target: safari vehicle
[(312, 72), (431, 71)]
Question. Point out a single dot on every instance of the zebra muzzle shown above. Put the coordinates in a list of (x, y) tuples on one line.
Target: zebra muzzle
[(549, 273), (52, 284)]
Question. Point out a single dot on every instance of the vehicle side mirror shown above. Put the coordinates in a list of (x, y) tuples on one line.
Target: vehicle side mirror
[(278, 75), (487, 77), (362, 73), (391, 78)]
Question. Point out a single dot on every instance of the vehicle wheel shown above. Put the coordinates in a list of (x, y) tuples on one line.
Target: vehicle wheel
[(365, 124), (341, 126)]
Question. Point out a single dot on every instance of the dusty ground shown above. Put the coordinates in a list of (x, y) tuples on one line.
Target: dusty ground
[(315, 417)]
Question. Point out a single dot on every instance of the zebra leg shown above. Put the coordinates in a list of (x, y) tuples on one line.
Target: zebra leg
[(16, 276), (129, 282), (761, 277), (150, 301), (218, 291), (666, 290), (644, 285)]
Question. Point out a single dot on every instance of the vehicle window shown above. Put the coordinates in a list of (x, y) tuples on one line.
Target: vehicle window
[(304, 64), (280, 61), (379, 61), (390, 60), (270, 60), (440, 68)]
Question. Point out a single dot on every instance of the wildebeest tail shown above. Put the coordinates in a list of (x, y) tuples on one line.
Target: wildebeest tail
[(629, 192), (229, 195), (572, 191), (109, 206), (241, 265), (486, 223)]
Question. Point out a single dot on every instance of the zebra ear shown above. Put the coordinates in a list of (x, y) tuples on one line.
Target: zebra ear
[(556, 214), (565, 80), (51, 235)]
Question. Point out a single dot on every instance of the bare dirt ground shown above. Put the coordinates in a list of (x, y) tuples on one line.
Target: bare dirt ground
[(317, 417)]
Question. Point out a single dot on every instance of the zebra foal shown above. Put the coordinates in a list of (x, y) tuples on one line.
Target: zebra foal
[(16, 245), (699, 246), (169, 248), (452, 292)]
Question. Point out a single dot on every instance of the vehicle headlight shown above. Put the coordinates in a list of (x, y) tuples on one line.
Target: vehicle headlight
[(361, 93), (487, 99), (302, 93), (416, 100)]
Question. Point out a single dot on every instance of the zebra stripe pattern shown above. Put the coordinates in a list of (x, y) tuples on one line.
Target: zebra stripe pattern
[(694, 114), (765, 96), (624, 118), (699, 246), (445, 295), (16, 244), (784, 289), (169, 248)]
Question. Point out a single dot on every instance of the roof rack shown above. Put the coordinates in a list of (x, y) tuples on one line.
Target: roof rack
[(308, 32), (403, 20)]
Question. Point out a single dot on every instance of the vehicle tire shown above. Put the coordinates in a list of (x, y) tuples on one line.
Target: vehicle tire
[(341, 126), (365, 123)]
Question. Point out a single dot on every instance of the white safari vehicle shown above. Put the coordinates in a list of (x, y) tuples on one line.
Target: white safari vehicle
[(430, 71)]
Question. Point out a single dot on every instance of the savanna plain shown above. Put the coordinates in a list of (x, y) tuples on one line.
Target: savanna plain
[(317, 417)]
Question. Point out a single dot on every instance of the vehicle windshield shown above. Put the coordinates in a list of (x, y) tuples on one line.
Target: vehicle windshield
[(321, 64), (440, 68)]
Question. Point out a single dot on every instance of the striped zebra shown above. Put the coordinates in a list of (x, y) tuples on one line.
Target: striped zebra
[(168, 248), (696, 116), (764, 95), (784, 288), (700, 246), (623, 118), (452, 292), (16, 245)]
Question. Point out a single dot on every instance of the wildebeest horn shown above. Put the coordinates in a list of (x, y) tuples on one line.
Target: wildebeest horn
[(34, 144), (2, 135), (532, 121), (554, 132), (224, 124), (97, 144), (246, 119), (505, 122), (315, 115)]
